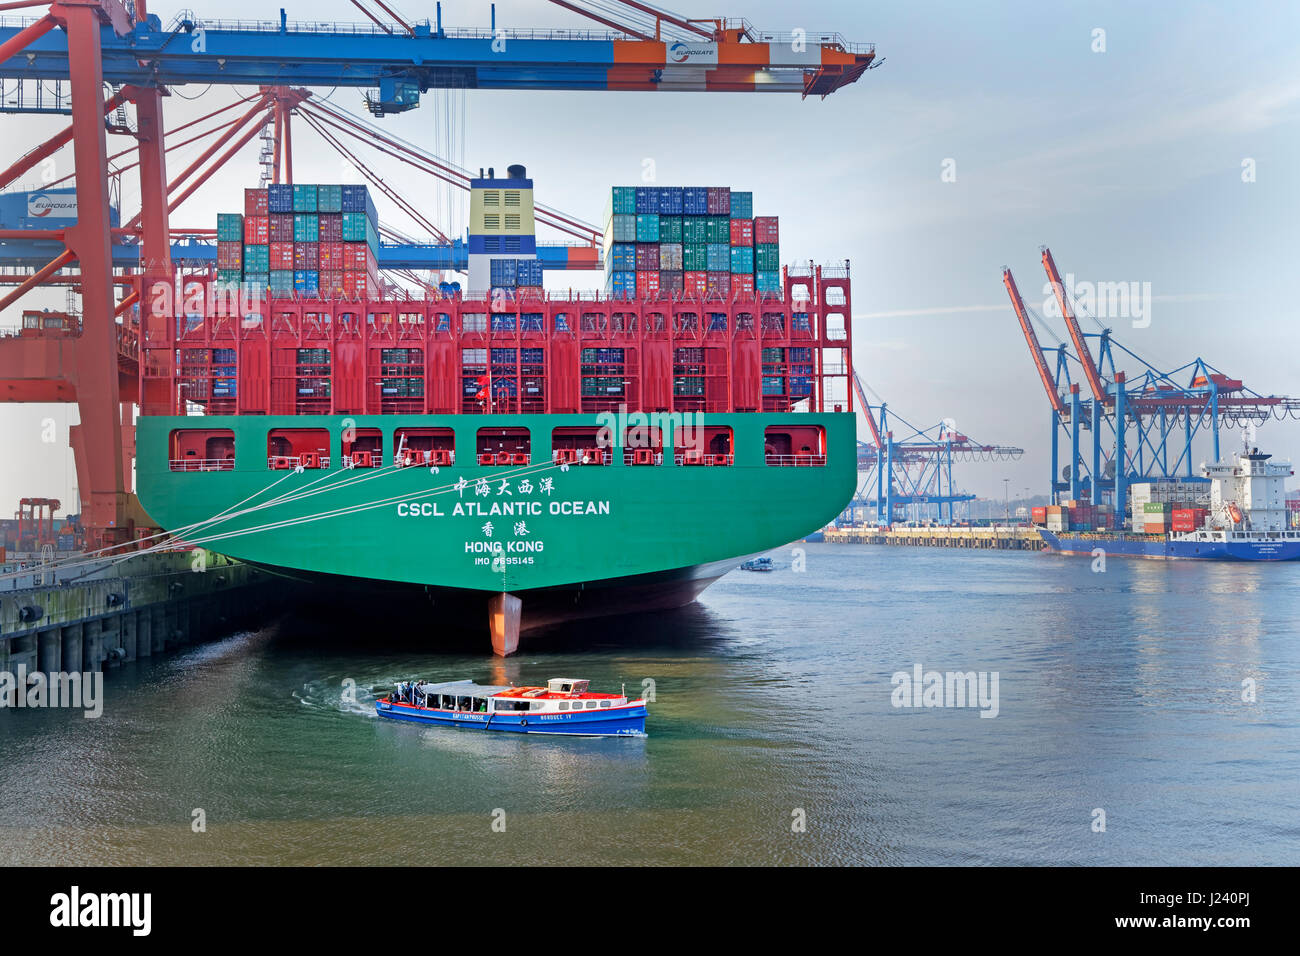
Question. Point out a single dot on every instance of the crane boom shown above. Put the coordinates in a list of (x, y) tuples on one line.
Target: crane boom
[(1035, 350), (866, 410), (1095, 383)]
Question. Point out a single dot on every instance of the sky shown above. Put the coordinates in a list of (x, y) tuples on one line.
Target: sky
[(1162, 149)]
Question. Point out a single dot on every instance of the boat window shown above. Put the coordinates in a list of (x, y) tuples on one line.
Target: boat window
[(591, 705), (538, 705), (287, 448), (580, 445), (604, 703), (424, 446), (504, 446), (795, 445), (202, 450), (362, 447), (564, 705)]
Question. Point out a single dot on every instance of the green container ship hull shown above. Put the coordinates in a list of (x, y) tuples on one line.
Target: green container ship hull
[(566, 541)]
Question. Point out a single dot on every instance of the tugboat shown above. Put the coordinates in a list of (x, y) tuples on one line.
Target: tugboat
[(564, 706), (757, 564)]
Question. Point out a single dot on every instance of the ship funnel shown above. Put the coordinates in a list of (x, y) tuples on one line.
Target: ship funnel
[(492, 173), (516, 172)]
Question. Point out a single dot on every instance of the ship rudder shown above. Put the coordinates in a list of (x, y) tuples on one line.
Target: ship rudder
[(504, 612)]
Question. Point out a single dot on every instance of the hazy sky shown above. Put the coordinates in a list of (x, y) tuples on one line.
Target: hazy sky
[(1128, 163)]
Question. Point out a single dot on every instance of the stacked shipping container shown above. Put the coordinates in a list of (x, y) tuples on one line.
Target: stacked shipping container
[(688, 240), (313, 240)]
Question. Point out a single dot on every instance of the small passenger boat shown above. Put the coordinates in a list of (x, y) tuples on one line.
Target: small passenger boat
[(757, 564), (563, 706)]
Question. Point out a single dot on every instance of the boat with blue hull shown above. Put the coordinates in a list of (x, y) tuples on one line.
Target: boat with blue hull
[(563, 707), (1224, 546), (1245, 519)]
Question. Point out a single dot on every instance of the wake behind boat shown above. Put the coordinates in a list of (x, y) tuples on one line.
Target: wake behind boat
[(563, 706)]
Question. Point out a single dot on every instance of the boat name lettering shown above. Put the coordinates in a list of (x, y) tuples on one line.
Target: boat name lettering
[(499, 547)]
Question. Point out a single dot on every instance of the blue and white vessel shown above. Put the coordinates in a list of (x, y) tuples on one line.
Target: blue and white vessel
[(564, 706), (1246, 520)]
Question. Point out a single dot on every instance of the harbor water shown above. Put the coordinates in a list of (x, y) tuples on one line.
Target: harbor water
[(1159, 700)]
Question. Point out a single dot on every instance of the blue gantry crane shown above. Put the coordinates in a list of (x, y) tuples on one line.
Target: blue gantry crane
[(1138, 427), (910, 476)]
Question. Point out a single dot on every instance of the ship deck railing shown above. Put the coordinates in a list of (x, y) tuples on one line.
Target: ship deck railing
[(202, 464), (799, 460), (697, 458)]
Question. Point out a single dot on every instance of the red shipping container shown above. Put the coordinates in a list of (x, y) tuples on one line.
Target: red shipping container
[(742, 283), (281, 254), (1038, 515), (359, 285), (255, 203), (331, 227), (281, 227), (331, 256), (647, 283), (230, 255), (765, 230), (647, 257), (695, 283), (718, 283), (742, 232), (331, 283), (306, 256), (257, 231), (357, 257)]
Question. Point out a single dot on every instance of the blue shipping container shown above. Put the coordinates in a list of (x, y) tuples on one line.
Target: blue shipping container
[(742, 260), (718, 257), (695, 201), (357, 199), (670, 201), (647, 199), (307, 282), (279, 198), (742, 205), (767, 281), (622, 285), (622, 257)]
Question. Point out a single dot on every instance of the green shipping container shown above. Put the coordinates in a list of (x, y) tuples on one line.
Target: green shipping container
[(230, 227), (742, 260), (695, 229), (623, 201), (304, 197), (718, 229), (329, 199), (695, 257), (1156, 507), (257, 258), (670, 229), (647, 227), (281, 280), (742, 205), (622, 229), (229, 278), (306, 227), (767, 257), (354, 226)]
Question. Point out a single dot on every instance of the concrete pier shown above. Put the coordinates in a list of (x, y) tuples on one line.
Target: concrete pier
[(998, 538), (131, 610)]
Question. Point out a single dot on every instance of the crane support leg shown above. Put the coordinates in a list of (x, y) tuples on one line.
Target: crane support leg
[(102, 492)]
